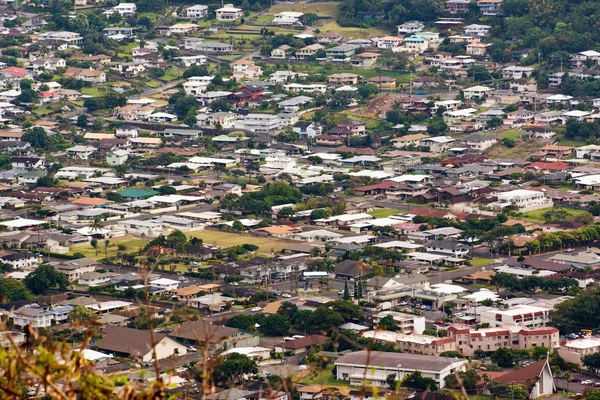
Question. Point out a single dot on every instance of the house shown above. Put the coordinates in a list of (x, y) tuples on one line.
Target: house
[(574, 351), (454, 249), (350, 269), (490, 7), (478, 49), (117, 157), (439, 144), (476, 92), (228, 13), (281, 53), (373, 367), (516, 72), (81, 152), (341, 52), (246, 69), (456, 6), (366, 59), (70, 38), (301, 345), (195, 12), (213, 337), (410, 27), (329, 37), (73, 269), (413, 343), (288, 18), (409, 140), (523, 199), (125, 9), (306, 129), (383, 82), (197, 44), (93, 279), (388, 42), (477, 30), (480, 142), (537, 378), (416, 44), (87, 75), (47, 64), (20, 260), (308, 51), (33, 315), (343, 79), (137, 344)]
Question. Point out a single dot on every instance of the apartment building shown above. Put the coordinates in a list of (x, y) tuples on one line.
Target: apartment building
[(524, 315), (575, 350), (469, 340), (407, 323), (414, 343)]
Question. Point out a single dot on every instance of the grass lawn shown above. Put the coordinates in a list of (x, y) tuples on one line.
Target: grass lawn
[(91, 91), (78, 102), (481, 261), (263, 19), (228, 239), (153, 84), (511, 134), (569, 142), (324, 377), (384, 212), (354, 33), (131, 245), (43, 111), (537, 215), (171, 74), (322, 9)]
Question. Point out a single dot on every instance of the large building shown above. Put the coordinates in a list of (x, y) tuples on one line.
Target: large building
[(371, 368), (523, 315), (574, 350), (415, 344), (490, 339)]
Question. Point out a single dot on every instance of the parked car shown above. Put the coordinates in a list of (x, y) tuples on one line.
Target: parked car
[(459, 314), (575, 380), (192, 348), (428, 308), (286, 295), (256, 309), (403, 303), (587, 382)]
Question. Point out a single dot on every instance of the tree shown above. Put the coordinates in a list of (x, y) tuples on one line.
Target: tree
[(275, 325), (323, 320), (106, 244), (237, 225), (167, 189), (233, 368), (508, 142), (45, 277), (388, 323), (466, 379), (346, 291), (81, 315), (592, 362), (82, 121), (539, 352), (518, 392), (37, 138), (503, 357), (94, 244), (13, 290), (391, 381), (418, 382)]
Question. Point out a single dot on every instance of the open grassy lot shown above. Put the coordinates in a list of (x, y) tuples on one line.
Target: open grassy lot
[(324, 377), (537, 215), (481, 261), (131, 245), (570, 142), (322, 9), (153, 84), (384, 212), (228, 239), (354, 33), (91, 91), (511, 134), (171, 74)]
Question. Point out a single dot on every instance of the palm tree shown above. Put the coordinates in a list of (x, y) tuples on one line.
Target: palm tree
[(96, 226), (106, 244), (94, 244), (567, 376)]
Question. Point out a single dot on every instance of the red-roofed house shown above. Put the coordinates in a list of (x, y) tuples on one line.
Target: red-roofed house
[(543, 166), (49, 97), (15, 72), (537, 377)]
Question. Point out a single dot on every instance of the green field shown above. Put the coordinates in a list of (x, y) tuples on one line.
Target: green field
[(323, 377), (153, 84), (569, 142), (511, 134), (91, 91), (481, 261), (132, 246), (353, 33), (171, 74), (322, 9), (384, 212), (537, 215), (228, 239)]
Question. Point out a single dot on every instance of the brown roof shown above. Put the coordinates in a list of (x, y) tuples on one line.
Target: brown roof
[(272, 308), (135, 342), (312, 340), (521, 375), (202, 331), (187, 291)]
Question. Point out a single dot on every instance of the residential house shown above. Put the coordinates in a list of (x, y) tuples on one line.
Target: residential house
[(87, 75), (281, 53), (215, 337), (341, 52), (137, 344), (195, 12), (246, 69), (480, 142), (20, 260), (228, 13), (308, 51)]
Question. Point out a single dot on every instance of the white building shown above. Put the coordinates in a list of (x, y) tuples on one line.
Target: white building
[(197, 11), (20, 260), (308, 88), (259, 123), (407, 323), (125, 8), (438, 144), (373, 367), (476, 92), (197, 84), (523, 315), (410, 27), (288, 18), (525, 200), (477, 30), (164, 284), (228, 13)]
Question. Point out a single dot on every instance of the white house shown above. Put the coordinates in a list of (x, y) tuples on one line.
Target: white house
[(34, 315), (81, 152), (164, 284), (228, 13), (373, 367), (94, 279), (197, 11), (117, 157), (477, 30), (525, 200), (438, 144), (476, 92), (125, 8), (410, 27), (20, 260), (288, 18)]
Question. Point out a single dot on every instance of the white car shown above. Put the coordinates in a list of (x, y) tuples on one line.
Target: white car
[(459, 314), (587, 382), (403, 303), (192, 348), (286, 295), (256, 309)]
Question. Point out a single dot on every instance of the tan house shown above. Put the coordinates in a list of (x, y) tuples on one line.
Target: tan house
[(413, 343), (343, 79), (405, 141), (132, 112), (573, 351), (478, 49), (308, 51), (86, 75), (246, 69), (365, 59), (383, 82)]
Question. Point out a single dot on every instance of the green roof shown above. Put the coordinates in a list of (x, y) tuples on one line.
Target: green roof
[(138, 193)]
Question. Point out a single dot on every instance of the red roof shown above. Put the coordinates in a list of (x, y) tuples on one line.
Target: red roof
[(15, 71), (524, 375), (539, 331), (552, 166), (382, 185)]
